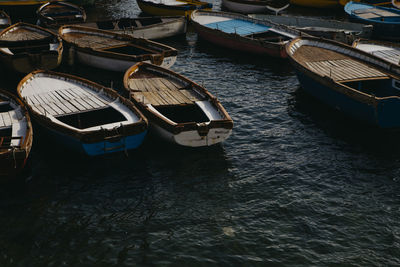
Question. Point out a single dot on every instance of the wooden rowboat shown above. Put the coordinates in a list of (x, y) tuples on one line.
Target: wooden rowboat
[(341, 31), (386, 50), (114, 51), (240, 32), (172, 7), (82, 115), (143, 27), (15, 135), (5, 20), (396, 3), (55, 14), (252, 6), (357, 83), (179, 110), (386, 21), (26, 47)]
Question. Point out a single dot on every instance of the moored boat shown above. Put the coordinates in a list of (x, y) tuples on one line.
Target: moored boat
[(172, 7), (252, 6), (16, 135), (396, 3), (5, 20), (113, 51), (341, 31), (55, 14), (143, 27), (81, 115), (25, 47), (386, 50), (357, 83), (179, 110), (240, 32), (386, 21)]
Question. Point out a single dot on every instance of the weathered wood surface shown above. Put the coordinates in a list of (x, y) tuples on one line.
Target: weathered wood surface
[(66, 101), (23, 34), (335, 65), (161, 92), (8, 118), (92, 41)]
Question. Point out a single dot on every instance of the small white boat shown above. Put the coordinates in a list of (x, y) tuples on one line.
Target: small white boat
[(82, 115), (143, 27), (15, 135), (5, 20), (25, 47), (386, 50), (113, 51), (179, 110)]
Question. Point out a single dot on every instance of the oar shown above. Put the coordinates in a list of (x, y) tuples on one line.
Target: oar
[(277, 9)]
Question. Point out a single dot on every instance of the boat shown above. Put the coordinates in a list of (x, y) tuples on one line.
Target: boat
[(341, 31), (359, 84), (16, 135), (81, 115), (5, 20), (143, 27), (396, 3), (172, 7), (316, 3), (55, 14), (25, 47), (386, 21), (242, 33), (386, 50), (253, 6), (113, 51), (179, 110)]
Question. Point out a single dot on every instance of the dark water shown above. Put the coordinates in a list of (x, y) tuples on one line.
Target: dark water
[(295, 185)]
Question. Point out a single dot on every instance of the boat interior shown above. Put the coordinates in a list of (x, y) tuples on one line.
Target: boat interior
[(8, 118), (269, 36), (377, 14), (92, 118), (173, 98)]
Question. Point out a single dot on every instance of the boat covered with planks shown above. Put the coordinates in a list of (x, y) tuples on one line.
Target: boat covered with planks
[(143, 27), (242, 33), (386, 21), (172, 7), (114, 51), (341, 31), (82, 115), (179, 110), (16, 135), (355, 82), (25, 47), (386, 50), (55, 14), (5, 20), (254, 6)]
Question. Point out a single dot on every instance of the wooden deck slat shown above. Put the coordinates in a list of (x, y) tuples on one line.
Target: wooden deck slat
[(2, 123)]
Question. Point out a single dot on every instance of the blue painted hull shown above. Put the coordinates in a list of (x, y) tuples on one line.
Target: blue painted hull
[(98, 148), (387, 28), (383, 113)]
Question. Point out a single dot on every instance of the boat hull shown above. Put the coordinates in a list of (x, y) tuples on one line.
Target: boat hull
[(242, 7), (112, 64), (238, 43), (168, 29), (76, 145), (26, 62), (165, 10), (191, 138)]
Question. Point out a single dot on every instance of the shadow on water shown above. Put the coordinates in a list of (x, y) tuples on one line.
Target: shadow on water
[(310, 111)]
